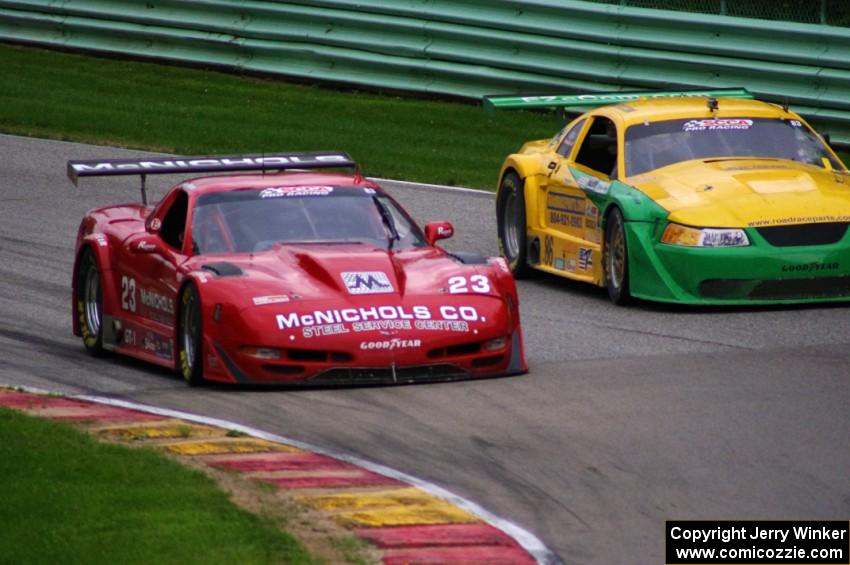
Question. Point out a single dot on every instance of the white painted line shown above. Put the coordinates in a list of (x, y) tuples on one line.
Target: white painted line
[(523, 537)]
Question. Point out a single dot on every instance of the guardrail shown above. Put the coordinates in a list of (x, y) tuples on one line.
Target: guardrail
[(465, 48), (829, 12)]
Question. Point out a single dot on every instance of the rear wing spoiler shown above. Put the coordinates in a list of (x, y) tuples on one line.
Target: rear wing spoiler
[(491, 103), (208, 164)]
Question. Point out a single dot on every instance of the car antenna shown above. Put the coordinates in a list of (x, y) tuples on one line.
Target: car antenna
[(712, 104), (785, 104)]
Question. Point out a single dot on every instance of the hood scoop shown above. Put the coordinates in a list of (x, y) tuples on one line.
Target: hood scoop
[(223, 269), (468, 257), (318, 270)]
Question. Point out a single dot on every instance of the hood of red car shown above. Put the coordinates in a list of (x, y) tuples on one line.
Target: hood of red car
[(321, 272)]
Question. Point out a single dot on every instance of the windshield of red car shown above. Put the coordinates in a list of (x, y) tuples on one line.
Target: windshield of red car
[(652, 145), (253, 220)]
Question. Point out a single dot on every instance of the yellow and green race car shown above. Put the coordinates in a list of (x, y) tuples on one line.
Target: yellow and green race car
[(691, 197)]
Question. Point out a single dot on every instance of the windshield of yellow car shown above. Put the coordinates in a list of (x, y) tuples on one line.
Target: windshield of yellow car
[(652, 145)]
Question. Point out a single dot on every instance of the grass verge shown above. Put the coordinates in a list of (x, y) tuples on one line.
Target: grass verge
[(67, 498), (190, 111)]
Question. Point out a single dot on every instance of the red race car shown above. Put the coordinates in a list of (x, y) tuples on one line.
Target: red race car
[(286, 277)]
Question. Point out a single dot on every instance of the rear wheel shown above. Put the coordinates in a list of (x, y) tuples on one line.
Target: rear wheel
[(510, 212), (89, 301), (190, 337), (616, 259)]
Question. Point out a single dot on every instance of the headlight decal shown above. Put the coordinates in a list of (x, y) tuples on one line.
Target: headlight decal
[(677, 234)]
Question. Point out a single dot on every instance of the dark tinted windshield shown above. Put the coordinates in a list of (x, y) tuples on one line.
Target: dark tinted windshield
[(652, 145), (255, 220)]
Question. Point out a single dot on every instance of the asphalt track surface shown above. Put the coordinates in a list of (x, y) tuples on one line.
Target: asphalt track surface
[(630, 416)]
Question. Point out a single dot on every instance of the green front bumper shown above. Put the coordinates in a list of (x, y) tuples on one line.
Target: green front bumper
[(759, 273)]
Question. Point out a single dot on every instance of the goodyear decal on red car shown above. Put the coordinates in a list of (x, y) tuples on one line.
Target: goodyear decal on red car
[(391, 344)]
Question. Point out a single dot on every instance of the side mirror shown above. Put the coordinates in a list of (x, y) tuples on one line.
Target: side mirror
[(436, 231), (145, 244), (152, 224), (827, 138)]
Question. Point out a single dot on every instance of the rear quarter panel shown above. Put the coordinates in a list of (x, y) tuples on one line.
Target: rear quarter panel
[(102, 231)]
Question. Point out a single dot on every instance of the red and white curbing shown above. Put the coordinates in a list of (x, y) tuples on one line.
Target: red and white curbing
[(406, 519)]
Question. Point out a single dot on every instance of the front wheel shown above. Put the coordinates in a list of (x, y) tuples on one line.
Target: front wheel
[(510, 216), (89, 301), (616, 259), (190, 337)]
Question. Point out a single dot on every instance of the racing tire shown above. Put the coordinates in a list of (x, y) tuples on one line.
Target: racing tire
[(190, 342), (89, 300), (510, 218), (616, 259)]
